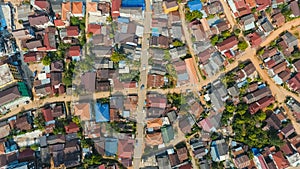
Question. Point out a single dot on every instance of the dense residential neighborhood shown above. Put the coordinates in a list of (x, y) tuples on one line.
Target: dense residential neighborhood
[(166, 84)]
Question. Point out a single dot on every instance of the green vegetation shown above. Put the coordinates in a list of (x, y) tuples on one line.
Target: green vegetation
[(246, 130), (177, 43), (214, 40), (226, 34), (117, 57), (242, 45), (124, 127), (220, 38), (34, 147), (261, 51), (190, 16), (210, 16), (269, 10), (68, 74), (237, 32), (46, 60), (75, 21), (286, 11), (39, 121), (176, 99)]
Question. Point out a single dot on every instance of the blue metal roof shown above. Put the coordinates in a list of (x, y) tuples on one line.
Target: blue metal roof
[(111, 146), (133, 3), (195, 5), (102, 112)]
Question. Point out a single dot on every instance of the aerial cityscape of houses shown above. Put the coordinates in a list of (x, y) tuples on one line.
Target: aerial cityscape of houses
[(166, 84)]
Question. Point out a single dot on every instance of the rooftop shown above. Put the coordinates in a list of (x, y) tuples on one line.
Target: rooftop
[(6, 75)]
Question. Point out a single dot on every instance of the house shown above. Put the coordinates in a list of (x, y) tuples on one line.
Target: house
[(295, 8), (72, 128), (115, 8), (163, 163), (263, 4), (125, 148), (154, 138), (42, 5), (65, 10), (278, 19), (290, 40), (111, 146), (88, 81), (167, 133), (288, 130), (170, 6), (174, 160), (273, 121), (95, 29), (83, 110), (196, 109), (178, 52), (294, 83), (242, 161), (78, 9), (280, 161), (102, 112), (248, 22), (49, 39), (92, 7), (22, 34), (74, 52), (161, 41), (155, 123), (261, 104), (214, 7), (39, 21), (195, 5), (228, 44), (4, 130), (186, 122), (104, 8), (218, 95), (219, 150), (23, 123), (255, 39), (72, 31), (155, 81), (257, 95)]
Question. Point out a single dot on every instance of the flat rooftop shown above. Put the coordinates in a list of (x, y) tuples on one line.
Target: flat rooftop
[(5, 75)]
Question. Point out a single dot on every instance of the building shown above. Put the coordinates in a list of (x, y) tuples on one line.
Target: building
[(195, 5), (170, 6), (219, 150)]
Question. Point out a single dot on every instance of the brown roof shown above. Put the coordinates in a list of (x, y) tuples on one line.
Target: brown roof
[(155, 81), (295, 8), (125, 148), (227, 43), (174, 160), (104, 7), (279, 19), (23, 124), (280, 161), (249, 69), (82, 110), (154, 123), (88, 80), (154, 138), (77, 7), (182, 154), (35, 20), (9, 95), (72, 31), (279, 67), (196, 109), (4, 131), (72, 128)]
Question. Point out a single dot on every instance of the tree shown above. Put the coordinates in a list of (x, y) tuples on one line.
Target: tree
[(261, 51), (117, 57), (177, 43), (46, 60), (93, 159), (226, 34), (190, 16), (242, 45), (237, 32), (214, 40), (39, 121), (76, 120)]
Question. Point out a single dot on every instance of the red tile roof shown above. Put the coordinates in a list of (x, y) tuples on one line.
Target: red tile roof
[(92, 6), (280, 161), (47, 113), (255, 39), (294, 83), (227, 43), (72, 128), (74, 51), (125, 148), (263, 4), (72, 31), (261, 104), (29, 57), (59, 22), (115, 8), (43, 4), (94, 28)]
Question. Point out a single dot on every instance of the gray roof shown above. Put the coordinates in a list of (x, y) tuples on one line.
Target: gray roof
[(9, 95), (248, 19), (88, 80), (178, 52), (290, 39), (163, 163), (157, 53), (100, 50), (23, 11), (267, 26), (43, 141), (233, 91), (177, 31)]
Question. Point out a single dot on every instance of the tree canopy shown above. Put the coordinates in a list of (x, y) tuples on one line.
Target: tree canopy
[(242, 45), (190, 16)]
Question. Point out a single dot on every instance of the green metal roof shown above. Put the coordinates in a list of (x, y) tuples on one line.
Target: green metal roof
[(23, 89), (167, 133)]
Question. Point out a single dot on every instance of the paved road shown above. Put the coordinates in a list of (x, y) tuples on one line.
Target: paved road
[(139, 147), (188, 40), (228, 13)]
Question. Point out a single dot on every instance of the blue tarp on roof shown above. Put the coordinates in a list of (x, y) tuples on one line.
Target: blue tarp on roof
[(155, 32), (195, 5), (102, 112), (133, 3), (2, 24), (111, 146)]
